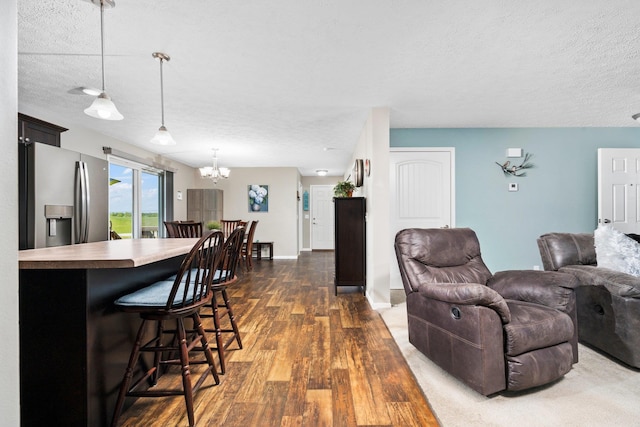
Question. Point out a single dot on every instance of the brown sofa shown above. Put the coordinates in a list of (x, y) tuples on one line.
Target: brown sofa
[(608, 302), (510, 331)]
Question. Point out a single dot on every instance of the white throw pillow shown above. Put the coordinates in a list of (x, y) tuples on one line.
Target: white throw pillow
[(616, 251)]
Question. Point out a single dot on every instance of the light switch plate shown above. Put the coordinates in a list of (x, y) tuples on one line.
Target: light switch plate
[(513, 186), (179, 195)]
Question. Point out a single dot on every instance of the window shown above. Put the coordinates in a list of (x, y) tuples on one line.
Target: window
[(136, 202)]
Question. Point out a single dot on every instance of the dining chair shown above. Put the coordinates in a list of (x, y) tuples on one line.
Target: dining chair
[(228, 225), (183, 229), (247, 246), (224, 277), (173, 301)]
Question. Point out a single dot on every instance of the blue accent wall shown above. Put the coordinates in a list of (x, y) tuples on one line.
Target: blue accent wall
[(558, 194)]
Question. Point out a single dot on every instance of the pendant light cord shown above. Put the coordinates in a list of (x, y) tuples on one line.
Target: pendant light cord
[(102, 40), (161, 92)]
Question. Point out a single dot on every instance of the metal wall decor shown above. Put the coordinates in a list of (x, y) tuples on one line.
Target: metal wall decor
[(516, 170)]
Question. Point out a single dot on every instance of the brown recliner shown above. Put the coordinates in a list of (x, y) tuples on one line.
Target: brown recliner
[(510, 331), (607, 301)]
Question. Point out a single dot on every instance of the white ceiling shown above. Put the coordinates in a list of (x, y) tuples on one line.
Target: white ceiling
[(273, 83)]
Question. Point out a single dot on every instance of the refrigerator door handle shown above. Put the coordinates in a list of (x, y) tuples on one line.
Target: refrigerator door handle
[(77, 203), (80, 202), (87, 203)]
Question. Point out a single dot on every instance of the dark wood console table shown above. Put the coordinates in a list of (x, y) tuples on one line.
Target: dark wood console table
[(258, 248), (74, 345)]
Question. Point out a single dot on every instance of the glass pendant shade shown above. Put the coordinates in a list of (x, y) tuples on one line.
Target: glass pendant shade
[(103, 108), (163, 137)]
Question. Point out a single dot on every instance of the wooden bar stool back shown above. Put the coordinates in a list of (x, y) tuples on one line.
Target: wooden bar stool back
[(173, 301), (225, 276)]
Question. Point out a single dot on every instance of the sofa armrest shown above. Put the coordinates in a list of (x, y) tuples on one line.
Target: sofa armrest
[(467, 294), (550, 288), (617, 283)]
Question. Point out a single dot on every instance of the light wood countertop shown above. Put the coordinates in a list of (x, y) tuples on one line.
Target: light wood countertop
[(125, 253)]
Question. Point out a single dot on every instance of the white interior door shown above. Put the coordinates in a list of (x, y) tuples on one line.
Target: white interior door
[(321, 206), (618, 188), (422, 193)]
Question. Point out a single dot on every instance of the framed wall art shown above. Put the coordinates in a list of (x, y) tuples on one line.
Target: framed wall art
[(258, 198)]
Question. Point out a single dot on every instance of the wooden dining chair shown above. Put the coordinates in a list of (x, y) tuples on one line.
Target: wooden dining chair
[(172, 302), (220, 305), (183, 229), (247, 246), (228, 225)]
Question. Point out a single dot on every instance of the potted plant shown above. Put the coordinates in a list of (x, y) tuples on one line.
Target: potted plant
[(344, 189), (214, 225)]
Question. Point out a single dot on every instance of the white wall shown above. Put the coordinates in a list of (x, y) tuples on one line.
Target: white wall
[(280, 224), (373, 144), (9, 335)]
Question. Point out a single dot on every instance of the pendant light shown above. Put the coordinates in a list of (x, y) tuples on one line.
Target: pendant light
[(162, 137), (102, 107)]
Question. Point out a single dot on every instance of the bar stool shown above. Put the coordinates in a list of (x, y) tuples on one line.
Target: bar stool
[(176, 300), (225, 276)]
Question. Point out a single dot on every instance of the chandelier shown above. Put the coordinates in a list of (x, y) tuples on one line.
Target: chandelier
[(214, 172)]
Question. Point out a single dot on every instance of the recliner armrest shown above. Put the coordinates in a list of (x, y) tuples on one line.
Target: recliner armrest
[(467, 294), (550, 288)]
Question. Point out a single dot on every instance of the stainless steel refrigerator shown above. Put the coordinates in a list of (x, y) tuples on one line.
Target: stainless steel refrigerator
[(64, 196)]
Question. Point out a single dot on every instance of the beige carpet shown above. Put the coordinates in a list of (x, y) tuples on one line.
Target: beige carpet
[(596, 392)]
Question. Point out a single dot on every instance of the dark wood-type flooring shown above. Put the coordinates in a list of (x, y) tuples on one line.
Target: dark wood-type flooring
[(310, 359)]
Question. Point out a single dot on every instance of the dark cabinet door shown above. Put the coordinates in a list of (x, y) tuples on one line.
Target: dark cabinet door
[(350, 242), (31, 129)]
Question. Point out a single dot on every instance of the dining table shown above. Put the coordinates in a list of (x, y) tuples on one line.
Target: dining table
[(74, 343)]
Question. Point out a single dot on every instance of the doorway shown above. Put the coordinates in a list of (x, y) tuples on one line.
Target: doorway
[(421, 190), (321, 208), (618, 188)]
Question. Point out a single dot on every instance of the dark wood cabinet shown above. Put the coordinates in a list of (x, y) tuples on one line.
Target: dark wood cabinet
[(350, 242), (204, 205), (31, 129)]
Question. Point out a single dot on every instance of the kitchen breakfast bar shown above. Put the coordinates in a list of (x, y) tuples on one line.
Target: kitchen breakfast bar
[(74, 345)]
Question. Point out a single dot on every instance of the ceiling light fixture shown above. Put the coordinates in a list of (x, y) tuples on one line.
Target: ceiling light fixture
[(322, 172), (102, 107), (162, 137), (214, 173), (636, 117)]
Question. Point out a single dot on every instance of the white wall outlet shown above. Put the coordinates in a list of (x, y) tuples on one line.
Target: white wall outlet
[(536, 267), (513, 186)]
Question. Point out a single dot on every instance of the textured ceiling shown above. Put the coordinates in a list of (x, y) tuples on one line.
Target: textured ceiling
[(273, 83)]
